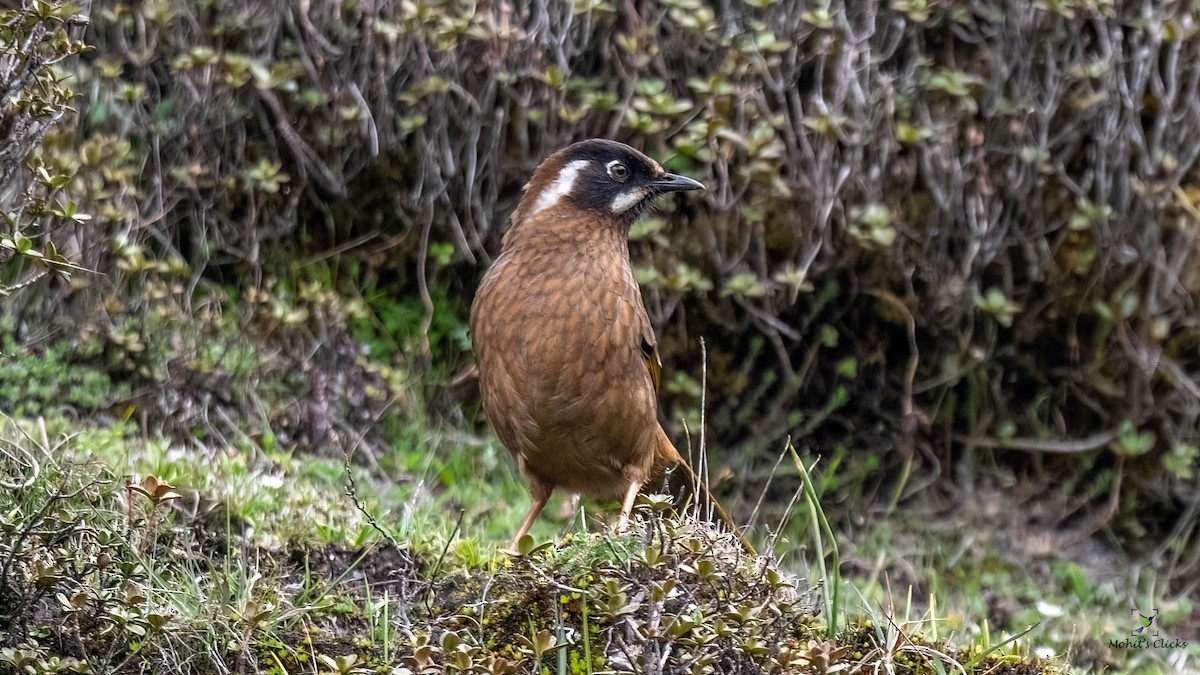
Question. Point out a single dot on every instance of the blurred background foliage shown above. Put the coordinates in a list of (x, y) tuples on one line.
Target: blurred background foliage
[(951, 240)]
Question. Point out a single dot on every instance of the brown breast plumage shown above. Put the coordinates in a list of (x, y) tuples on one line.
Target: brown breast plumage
[(558, 326)]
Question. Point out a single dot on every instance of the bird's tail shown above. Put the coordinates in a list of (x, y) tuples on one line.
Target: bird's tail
[(666, 457)]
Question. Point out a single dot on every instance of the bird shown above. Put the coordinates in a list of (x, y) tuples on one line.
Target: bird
[(568, 361)]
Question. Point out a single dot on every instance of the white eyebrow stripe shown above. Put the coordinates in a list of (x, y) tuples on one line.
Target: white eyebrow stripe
[(627, 200), (561, 186)]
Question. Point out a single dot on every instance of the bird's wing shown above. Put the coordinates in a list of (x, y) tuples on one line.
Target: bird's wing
[(653, 363), (649, 342)]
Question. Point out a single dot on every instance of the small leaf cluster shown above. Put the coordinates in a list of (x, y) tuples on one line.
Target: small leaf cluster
[(61, 376)]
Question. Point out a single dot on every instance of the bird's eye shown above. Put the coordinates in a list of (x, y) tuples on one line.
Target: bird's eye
[(618, 171)]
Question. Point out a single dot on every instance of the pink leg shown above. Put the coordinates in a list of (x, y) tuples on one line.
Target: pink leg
[(540, 494), (627, 506)]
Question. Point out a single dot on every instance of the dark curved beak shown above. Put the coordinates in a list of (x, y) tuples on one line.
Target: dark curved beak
[(673, 182)]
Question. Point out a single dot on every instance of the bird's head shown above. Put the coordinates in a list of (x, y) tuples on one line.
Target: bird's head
[(606, 180)]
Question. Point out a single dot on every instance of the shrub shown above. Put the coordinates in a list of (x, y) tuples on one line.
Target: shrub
[(36, 39), (969, 223)]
